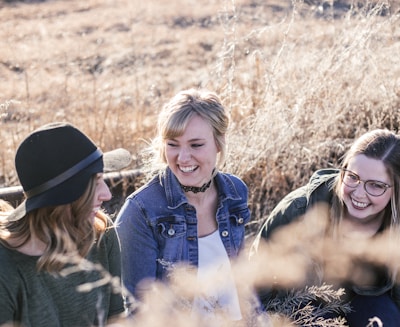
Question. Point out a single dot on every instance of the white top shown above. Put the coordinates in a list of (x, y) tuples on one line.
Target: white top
[(215, 280)]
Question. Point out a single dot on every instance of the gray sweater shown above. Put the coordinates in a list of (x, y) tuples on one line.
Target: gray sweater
[(32, 298)]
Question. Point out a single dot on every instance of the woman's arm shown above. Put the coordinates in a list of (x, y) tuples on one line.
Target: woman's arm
[(139, 248)]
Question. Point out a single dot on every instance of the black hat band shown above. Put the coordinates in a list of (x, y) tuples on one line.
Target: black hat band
[(65, 175)]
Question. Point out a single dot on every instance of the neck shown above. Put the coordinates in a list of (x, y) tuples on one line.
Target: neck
[(33, 247), (196, 189), (353, 228)]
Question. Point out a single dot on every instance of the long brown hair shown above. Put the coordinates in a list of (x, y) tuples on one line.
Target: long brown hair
[(66, 229)]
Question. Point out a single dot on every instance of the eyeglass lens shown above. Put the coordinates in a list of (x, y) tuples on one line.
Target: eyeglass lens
[(374, 188)]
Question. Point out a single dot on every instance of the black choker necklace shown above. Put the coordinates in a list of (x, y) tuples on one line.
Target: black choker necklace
[(196, 189)]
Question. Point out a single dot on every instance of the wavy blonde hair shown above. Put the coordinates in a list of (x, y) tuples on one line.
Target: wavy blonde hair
[(176, 114)]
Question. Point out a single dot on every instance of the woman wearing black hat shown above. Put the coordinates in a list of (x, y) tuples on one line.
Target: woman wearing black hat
[(60, 260)]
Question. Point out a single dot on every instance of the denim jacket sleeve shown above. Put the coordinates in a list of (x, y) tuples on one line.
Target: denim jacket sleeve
[(138, 245)]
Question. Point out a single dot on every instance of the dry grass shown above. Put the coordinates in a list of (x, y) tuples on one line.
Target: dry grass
[(300, 82)]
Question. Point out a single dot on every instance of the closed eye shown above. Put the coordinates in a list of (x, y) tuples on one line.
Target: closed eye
[(377, 185)]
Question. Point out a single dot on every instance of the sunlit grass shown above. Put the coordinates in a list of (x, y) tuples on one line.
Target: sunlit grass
[(300, 80), (300, 83)]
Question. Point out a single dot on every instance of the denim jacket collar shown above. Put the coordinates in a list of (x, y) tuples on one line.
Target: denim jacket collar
[(176, 196)]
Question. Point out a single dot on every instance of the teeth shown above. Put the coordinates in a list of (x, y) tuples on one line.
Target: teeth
[(359, 204), (187, 169)]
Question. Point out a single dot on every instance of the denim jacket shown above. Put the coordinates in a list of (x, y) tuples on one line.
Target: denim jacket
[(158, 227)]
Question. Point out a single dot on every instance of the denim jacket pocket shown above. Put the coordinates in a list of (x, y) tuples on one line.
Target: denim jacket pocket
[(170, 232), (239, 217)]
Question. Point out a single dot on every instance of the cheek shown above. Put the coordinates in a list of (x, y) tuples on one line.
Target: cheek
[(345, 191), (384, 200)]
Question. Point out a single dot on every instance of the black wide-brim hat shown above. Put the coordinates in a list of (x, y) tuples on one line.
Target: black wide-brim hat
[(55, 164)]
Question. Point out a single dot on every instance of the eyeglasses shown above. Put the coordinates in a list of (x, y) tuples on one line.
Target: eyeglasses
[(374, 188)]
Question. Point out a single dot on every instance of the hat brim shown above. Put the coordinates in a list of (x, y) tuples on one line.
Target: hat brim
[(18, 212), (114, 160)]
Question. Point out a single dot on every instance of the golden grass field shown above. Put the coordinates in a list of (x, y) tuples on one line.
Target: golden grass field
[(301, 79)]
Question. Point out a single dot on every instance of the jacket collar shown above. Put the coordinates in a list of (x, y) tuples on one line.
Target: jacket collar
[(176, 196)]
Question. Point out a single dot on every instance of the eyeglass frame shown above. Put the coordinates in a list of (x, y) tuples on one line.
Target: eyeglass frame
[(385, 185)]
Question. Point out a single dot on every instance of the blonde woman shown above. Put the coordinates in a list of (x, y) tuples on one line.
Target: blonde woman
[(190, 213)]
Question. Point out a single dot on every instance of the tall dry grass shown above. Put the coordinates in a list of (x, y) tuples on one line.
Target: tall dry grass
[(301, 80), (306, 89)]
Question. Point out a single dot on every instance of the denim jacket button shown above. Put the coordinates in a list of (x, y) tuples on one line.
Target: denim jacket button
[(240, 221), (171, 232), (225, 233)]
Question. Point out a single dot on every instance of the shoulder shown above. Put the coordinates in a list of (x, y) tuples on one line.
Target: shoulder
[(110, 234), (144, 197), (233, 182), (108, 238), (149, 186), (319, 185), (107, 245), (13, 265), (296, 203), (323, 175), (6, 257)]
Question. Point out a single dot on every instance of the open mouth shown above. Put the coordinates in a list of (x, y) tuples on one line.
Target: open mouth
[(187, 169), (357, 204)]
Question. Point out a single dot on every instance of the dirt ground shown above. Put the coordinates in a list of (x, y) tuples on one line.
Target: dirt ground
[(50, 49)]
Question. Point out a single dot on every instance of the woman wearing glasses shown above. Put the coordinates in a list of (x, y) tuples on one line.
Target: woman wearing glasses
[(355, 247)]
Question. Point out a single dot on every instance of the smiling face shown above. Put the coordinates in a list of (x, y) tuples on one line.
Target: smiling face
[(193, 155), (361, 206)]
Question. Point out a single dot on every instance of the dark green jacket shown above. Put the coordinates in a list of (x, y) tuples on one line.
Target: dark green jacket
[(294, 206), (296, 203)]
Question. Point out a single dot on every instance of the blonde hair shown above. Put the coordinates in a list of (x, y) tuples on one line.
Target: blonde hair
[(176, 114), (66, 229)]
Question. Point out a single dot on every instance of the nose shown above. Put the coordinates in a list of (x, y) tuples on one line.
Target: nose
[(184, 155), (104, 191), (360, 189)]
